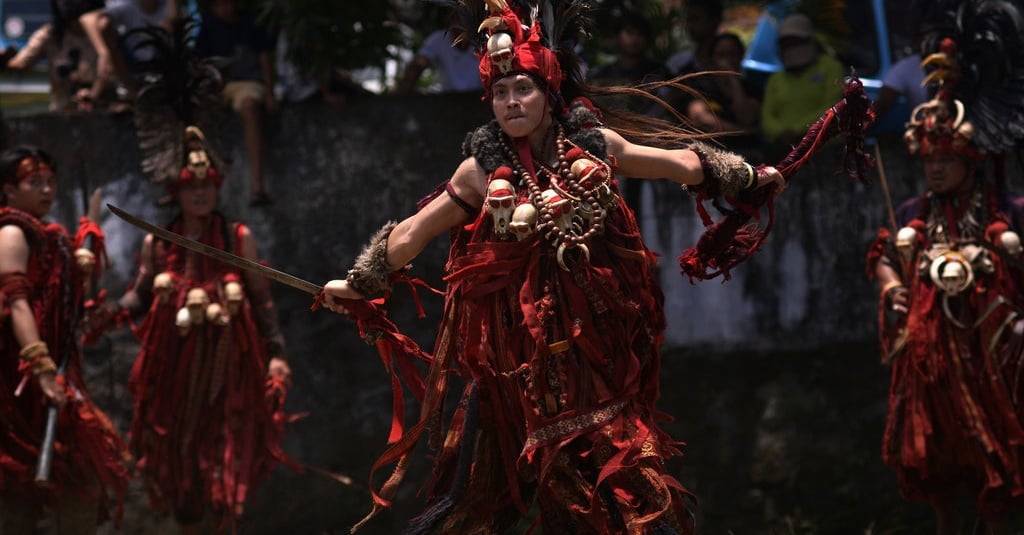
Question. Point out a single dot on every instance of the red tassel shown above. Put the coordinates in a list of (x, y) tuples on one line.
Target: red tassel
[(88, 228), (730, 241)]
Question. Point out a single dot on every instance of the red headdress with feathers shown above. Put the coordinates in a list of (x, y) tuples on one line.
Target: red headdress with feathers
[(512, 49), (938, 126)]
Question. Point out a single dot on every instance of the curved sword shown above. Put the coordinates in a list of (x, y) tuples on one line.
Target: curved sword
[(218, 254)]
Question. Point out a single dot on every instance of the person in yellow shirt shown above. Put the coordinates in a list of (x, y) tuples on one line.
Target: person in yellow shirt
[(809, 82)]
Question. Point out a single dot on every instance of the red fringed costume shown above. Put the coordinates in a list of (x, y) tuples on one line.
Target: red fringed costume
[(90, 459), (560, 356), (208, 422), (955, 426), (954, 423)]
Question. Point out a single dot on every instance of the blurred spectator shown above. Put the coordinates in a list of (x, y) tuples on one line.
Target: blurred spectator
[(228, 32), (295, 86), (701, 19), (795, 96), (633, 63), (109, 32), (905, 78), (457, 66), (70, 57), (730, 103)]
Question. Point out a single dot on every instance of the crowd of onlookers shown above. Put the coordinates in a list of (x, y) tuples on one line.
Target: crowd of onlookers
[(92, 53)]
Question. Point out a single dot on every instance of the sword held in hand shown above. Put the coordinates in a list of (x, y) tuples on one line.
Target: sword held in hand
[(218, 254), (45, 461)]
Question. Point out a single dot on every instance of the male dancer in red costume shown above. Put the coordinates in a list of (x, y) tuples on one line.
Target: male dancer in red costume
[(951, 289)]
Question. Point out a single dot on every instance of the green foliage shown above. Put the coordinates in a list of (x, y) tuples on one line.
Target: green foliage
[(326, 35)]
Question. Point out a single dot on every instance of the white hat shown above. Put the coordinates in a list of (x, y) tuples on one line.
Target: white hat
[(796, 25)]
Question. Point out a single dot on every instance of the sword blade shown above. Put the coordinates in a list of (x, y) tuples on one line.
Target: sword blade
[(213, 252)]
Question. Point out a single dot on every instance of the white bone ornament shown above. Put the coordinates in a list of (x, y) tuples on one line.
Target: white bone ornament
[(1010, 241), (85, 259), (163, 283), (215, 314), (905, 239), (183, 320), (561, 209), (500, 203), (233, 295), (524, 221), (499, 48), (951, 273), (196, 301)]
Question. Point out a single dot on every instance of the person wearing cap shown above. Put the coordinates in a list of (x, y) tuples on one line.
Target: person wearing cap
[(210, 379), (810, 81), (949, 275), (553, 314), (42, 276)]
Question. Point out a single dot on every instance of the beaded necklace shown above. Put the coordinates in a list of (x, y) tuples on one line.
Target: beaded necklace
[(573, 209)]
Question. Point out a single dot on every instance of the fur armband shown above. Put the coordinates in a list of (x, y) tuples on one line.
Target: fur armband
[(370, 274), (725, 173)]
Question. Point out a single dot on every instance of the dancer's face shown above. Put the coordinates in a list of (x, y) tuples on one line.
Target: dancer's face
[(198, 199), (947, 173), (519, 105), (34, 194)]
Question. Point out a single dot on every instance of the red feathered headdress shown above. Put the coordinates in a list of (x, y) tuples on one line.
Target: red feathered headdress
[(513, 49)]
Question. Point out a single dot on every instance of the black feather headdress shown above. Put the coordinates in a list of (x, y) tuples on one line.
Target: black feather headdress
[(983, 69), (177, 89)]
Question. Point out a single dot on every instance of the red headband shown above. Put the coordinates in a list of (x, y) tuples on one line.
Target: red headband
[(29, 167)]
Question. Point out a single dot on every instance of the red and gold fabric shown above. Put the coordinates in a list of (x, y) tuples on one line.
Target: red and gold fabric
[(90, 458)]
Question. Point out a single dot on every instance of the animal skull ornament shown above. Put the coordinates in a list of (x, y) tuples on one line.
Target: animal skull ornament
[(85, 259), (196, 301), (951, 273), (215, 314), (588, 174), (905, 239), (501, 198), (163, 283), (183, 320), (560, 209), (1010, 241), (233, 295), (501, 51), (524, 221)]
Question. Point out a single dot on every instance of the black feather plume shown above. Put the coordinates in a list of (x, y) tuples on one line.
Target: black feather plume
[(177, 89), (989, 35)]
